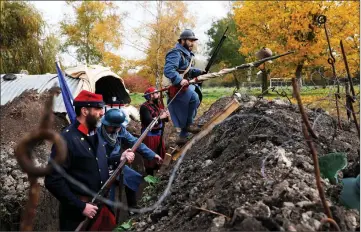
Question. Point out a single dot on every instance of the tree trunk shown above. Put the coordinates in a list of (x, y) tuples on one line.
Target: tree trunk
[(299, 74), (264, 80), (158, 31), (236, 82), (299, 77)]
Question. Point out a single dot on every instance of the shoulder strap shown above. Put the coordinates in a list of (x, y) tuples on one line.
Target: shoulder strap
[(189, 66), (181, 53)]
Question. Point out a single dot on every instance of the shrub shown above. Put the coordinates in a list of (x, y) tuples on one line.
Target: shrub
[(136, 83)]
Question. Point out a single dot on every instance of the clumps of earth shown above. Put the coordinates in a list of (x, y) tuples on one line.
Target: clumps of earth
[(19, 117), (254, 172)]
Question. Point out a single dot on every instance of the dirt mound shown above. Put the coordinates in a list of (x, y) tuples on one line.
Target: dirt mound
[(18, 118), (213, 110), (255, 168)]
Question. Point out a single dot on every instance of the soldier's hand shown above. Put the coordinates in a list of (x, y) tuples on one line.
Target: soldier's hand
[(129, 155), (164, 115), (184, 82), (158, 159), (90, 210)]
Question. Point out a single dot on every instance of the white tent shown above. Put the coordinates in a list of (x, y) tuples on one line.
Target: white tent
[(94, 78)]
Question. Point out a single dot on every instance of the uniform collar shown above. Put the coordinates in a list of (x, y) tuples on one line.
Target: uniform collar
[(83, 129), (184, 50)]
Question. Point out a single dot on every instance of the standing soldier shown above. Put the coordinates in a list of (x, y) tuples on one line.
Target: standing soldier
[(154, 139), (178, 71), (86, 162)]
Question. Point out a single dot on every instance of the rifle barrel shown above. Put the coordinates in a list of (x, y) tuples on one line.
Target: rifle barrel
[(259, 62), (214, 55)]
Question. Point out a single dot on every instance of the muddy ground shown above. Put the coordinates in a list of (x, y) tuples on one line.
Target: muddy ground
[(18, 118), (255, 169)]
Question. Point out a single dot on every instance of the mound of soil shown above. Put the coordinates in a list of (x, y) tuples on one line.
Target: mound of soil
[(255, 168), (18, 118)]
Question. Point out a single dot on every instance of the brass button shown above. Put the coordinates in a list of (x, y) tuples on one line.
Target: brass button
[(99, 170), (89, 149), (96, 158), (67, 130), (101, 182), (82, 138)]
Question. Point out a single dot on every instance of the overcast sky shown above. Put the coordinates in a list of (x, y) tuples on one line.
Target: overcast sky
[(204, 11)]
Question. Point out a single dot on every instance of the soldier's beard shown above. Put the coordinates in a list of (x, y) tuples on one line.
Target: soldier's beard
[(187, 47), (91, 121), (155, 101)]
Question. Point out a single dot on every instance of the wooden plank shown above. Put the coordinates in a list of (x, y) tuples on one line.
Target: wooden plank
[(218, 118), (167, 159)]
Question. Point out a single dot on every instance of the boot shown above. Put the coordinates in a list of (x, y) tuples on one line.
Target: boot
[(193, 129), (181, 141)]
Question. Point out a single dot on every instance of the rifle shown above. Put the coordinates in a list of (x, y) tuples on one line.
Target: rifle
[(106, 187), (215, 53), (257, 63), (208, 76)]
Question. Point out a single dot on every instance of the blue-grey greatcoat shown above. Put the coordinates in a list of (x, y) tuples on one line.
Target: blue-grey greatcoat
[(177, 59)]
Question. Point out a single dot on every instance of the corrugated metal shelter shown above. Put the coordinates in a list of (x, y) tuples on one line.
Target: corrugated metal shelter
[(93, 78)]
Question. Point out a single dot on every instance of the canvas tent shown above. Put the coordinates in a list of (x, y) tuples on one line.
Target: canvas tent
[(93, 78)]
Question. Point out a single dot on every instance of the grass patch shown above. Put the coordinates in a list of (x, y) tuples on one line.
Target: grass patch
[(311, 97)]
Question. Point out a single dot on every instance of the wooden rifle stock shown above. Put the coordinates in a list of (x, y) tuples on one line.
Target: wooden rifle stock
[(105, 188)]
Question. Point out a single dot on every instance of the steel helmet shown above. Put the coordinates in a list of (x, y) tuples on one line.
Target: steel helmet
[(113, 117), (187, 34), (263, 53)]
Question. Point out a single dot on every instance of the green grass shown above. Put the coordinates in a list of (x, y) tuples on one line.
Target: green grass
[(319, 97), (137, 99)]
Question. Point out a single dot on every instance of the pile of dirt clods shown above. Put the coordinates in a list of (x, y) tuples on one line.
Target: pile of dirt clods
[(19, 117), (255, 168)]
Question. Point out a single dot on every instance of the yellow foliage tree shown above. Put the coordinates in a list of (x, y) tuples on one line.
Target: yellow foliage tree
[(170, 19), (95, 32), (290, 25)]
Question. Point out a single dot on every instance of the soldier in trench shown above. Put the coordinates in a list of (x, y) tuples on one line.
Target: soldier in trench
[(86, 162), (116, 138), (149, 110)]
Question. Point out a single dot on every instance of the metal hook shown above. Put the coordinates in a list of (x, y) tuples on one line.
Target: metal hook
[(321, 19), (23, 154)]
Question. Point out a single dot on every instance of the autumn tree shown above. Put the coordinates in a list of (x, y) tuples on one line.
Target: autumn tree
[(95, 32), (170, 19), (290, 25), (23, 43)]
